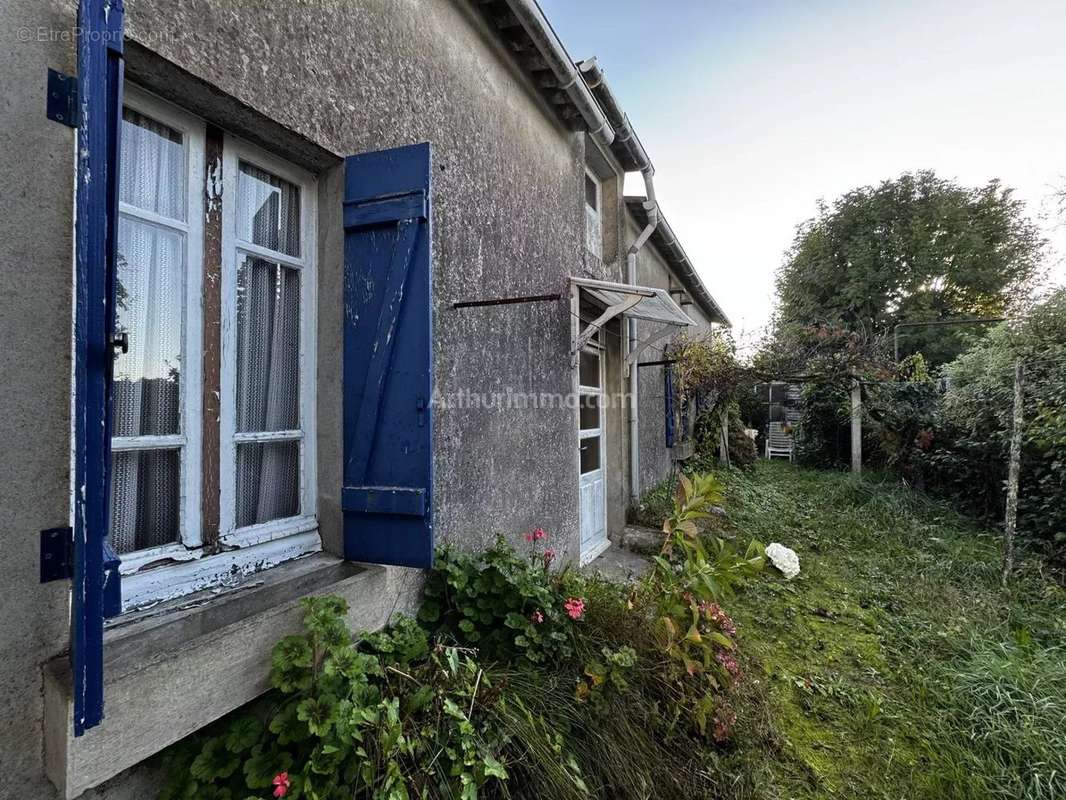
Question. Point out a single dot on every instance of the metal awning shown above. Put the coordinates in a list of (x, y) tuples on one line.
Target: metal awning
[(636, 302)]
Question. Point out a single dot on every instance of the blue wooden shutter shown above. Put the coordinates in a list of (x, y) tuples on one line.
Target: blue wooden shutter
[(668, 403), (95, 590), (387, 496)]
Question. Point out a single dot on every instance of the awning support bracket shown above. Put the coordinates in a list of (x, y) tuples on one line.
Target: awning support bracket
[(643, 344), (609, 313)]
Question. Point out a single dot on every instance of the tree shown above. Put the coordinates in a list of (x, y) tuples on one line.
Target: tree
[(917, 248)]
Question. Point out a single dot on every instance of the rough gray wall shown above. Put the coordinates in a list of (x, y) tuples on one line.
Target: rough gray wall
[(656, 459), (36, 214)]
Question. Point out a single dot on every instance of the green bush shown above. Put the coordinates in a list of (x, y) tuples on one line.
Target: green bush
[(708, 431), (387, 717), (503, 604), (822, 437), (966, 456)]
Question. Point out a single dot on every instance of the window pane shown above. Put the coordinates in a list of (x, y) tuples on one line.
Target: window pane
[(268, 210), (268, 481), (589, 369), (149, 290), (152, 176), (590, 454), (592, 199), (590, 411), (268, 346), (145, 499)]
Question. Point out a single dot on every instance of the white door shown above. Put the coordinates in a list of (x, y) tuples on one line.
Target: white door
[(591, 451)]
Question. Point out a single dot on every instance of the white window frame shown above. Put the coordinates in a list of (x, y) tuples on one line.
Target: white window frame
[(190, 381), (170, 571), (593, 216), (235, 151)]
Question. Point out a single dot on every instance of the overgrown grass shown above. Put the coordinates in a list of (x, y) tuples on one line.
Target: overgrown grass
[(893, 666)]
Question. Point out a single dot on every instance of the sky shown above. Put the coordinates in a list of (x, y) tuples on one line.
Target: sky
[(752, 110)]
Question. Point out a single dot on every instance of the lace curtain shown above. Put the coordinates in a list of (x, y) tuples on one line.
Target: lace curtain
[(149, 287), (268, 350)]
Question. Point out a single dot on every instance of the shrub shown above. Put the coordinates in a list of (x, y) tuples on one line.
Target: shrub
[(691, 576), (822, 438), (967, 455), (708, 431), (503, 604), (388, 717)]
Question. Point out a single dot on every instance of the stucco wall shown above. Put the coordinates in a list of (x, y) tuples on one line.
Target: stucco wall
[(36, 212), (347, 77), (656, 459)]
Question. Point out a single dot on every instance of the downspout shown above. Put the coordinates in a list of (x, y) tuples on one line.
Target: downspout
[(558, 60), (631, 340), (633, 157)]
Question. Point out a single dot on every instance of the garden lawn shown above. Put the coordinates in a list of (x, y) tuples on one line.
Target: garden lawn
[(893, 666)]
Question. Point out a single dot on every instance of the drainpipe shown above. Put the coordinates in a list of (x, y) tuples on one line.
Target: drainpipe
[(555, 56), (631, 340), (633, 156)]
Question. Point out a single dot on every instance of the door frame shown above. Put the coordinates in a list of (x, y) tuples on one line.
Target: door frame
[(594, 346)]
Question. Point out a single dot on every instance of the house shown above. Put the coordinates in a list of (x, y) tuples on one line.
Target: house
[(290, 293)]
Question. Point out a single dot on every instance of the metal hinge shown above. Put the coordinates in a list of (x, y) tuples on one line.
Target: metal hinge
[(57, 564), (57, 554), (62, 105)]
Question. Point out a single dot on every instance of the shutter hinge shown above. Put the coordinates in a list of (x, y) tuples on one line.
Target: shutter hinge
[(57, 564), (62, 104), (57, 554)]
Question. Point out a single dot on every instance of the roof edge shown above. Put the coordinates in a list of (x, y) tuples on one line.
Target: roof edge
[(666, 242)]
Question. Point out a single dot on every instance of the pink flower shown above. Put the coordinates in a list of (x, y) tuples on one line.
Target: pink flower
[(549, 557), (281, 784), (536, 617), (729, 662), (535, 535), (715, 614), (575, 607), (724, 720)]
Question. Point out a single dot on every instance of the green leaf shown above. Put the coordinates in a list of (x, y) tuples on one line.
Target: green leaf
[(430, 611), (214, 761), (243, 734), (288, 727), (319, 713), (263, 765), (291, 661), (493, 768)]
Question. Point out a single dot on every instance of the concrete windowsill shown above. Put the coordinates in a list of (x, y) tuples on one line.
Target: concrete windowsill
[(171, 670)]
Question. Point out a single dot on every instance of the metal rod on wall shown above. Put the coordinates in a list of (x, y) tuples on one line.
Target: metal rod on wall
[(507, 301)]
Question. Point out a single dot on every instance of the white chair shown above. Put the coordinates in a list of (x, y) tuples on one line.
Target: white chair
[(778, 442)]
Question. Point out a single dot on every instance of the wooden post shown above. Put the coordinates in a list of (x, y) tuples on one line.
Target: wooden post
[(1014, 472), (856, 427), (210, 459), (723, 443)]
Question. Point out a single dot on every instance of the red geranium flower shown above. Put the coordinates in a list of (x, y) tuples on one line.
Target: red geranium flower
[(281, 784), (575, 607)]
